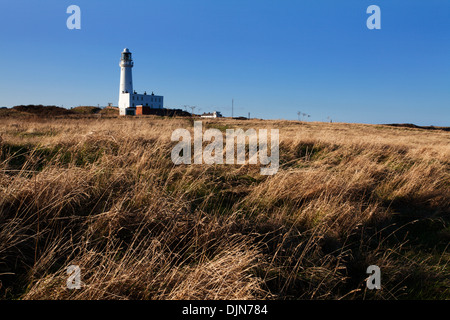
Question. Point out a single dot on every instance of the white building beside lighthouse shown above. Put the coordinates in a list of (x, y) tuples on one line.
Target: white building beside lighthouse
[(128, 98)]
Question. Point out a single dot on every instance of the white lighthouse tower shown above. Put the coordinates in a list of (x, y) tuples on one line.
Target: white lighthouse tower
[(126, 78), (129, 100), (126, 82)]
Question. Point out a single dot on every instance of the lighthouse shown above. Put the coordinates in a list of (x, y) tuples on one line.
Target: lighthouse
[(126, 78), (130, 102)]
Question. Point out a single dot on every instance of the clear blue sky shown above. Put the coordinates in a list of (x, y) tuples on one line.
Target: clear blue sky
[(273, 57)]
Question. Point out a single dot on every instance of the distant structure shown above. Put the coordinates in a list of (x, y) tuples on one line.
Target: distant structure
[(129, 99), (215, 114)]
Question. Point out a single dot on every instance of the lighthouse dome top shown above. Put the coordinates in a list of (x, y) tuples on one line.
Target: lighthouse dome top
[(126, 50)]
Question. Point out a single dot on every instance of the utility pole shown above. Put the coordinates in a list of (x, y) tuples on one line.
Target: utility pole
[(232, 108), (192, 109)]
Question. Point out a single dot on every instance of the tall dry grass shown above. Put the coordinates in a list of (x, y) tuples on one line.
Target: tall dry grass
[(104, 194)]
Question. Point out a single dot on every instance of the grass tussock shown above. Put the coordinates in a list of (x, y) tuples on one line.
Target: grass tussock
[(104, 194)]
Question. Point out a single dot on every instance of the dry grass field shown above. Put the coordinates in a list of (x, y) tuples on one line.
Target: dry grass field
[(103, 193)]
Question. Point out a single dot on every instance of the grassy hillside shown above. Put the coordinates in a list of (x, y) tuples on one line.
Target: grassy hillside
[(104, 194), (86, 110), (42, 111)]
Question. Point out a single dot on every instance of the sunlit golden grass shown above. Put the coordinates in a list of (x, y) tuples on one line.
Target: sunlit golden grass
[(104, 194)]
